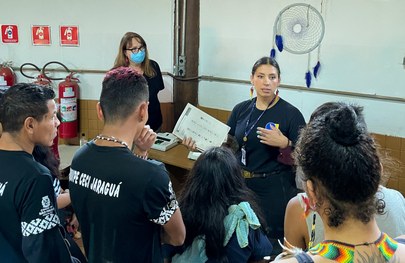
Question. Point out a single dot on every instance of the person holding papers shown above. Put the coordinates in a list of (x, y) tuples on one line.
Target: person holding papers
[(266, 128)]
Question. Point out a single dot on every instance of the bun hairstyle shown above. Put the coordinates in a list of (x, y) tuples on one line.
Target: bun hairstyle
[(336, 152), (345, 126)]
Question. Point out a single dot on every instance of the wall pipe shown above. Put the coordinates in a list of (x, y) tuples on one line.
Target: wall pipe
[(176, 31), (238, 81), (183, 37)]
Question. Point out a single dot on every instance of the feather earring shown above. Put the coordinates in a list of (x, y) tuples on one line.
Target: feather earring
[(312, 238)]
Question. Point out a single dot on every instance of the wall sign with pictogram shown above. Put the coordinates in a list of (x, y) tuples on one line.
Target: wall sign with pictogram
[(69, 36), (41, 35), (9, 33)]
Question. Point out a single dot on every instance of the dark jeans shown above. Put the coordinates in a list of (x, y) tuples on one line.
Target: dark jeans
[(273, 193)]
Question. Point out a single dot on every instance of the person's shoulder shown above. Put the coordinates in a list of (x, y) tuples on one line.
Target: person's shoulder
[(153, 63), (151, 167), (390, 192), (242, 105), (399, 255), (288, 106), (34, 168), (296, 203)]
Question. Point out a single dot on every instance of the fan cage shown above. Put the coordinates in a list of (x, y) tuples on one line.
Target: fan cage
[(301, 27)]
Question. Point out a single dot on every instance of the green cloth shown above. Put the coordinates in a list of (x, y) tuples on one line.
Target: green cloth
[(240, 218)]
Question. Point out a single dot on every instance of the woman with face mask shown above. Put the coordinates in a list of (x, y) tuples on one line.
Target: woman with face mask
[(133, 52)]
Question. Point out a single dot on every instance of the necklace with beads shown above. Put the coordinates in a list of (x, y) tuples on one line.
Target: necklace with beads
[(111, 139), (344, 253)]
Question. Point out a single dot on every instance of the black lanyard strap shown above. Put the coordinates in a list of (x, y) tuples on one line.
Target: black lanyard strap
[(249, 129)]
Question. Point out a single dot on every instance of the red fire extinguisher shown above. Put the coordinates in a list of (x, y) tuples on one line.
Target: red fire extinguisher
[(68, 95), (43, 81), (68, 103), (8, 73)]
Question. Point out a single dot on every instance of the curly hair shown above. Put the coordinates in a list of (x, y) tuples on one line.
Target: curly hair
[(338, 155)]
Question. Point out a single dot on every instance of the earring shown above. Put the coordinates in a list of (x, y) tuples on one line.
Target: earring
[(311, 240), (251, 92)]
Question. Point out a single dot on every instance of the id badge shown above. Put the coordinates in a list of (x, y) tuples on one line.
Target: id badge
[(243, 157)]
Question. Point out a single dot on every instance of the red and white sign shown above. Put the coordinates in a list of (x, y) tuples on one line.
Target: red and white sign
[(9, 33), (69, 36), (41, 35)]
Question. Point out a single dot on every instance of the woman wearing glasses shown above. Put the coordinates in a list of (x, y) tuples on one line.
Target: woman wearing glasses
[(133, 52)]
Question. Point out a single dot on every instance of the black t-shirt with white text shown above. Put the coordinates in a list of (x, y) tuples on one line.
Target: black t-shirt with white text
[(121, 201)]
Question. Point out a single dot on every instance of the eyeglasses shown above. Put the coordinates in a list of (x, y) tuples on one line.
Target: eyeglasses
[(135, 49)]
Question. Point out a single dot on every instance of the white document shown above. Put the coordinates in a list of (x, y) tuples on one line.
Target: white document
[(204, 129)]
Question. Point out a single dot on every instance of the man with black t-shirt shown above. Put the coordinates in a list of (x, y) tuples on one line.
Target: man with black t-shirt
[(125, 205), (29, 224)]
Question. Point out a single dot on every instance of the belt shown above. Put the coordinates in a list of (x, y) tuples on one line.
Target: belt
[(248, 174)]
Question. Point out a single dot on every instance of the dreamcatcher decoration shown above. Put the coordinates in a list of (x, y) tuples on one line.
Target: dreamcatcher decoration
[(299, 29)]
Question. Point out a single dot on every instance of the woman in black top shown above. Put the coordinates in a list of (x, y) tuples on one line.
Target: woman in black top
[(133, 52), (266, 128)]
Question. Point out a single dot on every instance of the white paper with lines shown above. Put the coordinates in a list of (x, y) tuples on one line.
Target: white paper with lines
[(202, 127)]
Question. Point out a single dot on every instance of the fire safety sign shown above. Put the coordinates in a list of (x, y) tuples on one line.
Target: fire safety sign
[(69, 36), (41, 35), (9, 33)]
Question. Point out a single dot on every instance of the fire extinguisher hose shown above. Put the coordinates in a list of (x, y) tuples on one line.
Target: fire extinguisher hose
[(55, 62), (28, 64)]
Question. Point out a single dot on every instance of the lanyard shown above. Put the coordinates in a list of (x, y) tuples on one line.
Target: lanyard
[(249, 129)]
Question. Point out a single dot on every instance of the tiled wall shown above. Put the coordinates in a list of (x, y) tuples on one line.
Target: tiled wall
[(394, 147), (91, 126)]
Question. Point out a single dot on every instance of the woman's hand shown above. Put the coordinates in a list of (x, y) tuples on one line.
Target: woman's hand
[(189, 143), (273, 137)]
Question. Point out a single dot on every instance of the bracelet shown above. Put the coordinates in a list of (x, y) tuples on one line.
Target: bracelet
[(288, 143), (145, 157)]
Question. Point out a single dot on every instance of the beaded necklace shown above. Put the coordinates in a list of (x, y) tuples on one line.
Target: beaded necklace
[(111, 139), (344, 253)]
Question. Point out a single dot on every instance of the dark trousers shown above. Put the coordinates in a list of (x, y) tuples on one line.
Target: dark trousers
[(273, 193)]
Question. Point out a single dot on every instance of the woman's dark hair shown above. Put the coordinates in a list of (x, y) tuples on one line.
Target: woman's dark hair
[(336, 152), (45, 156), (266, 61), (215, 182)]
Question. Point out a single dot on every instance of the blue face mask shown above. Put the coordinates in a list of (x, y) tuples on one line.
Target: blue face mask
[(138, 57)]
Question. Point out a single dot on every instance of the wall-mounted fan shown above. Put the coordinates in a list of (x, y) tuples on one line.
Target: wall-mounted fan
[(299, 29)]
